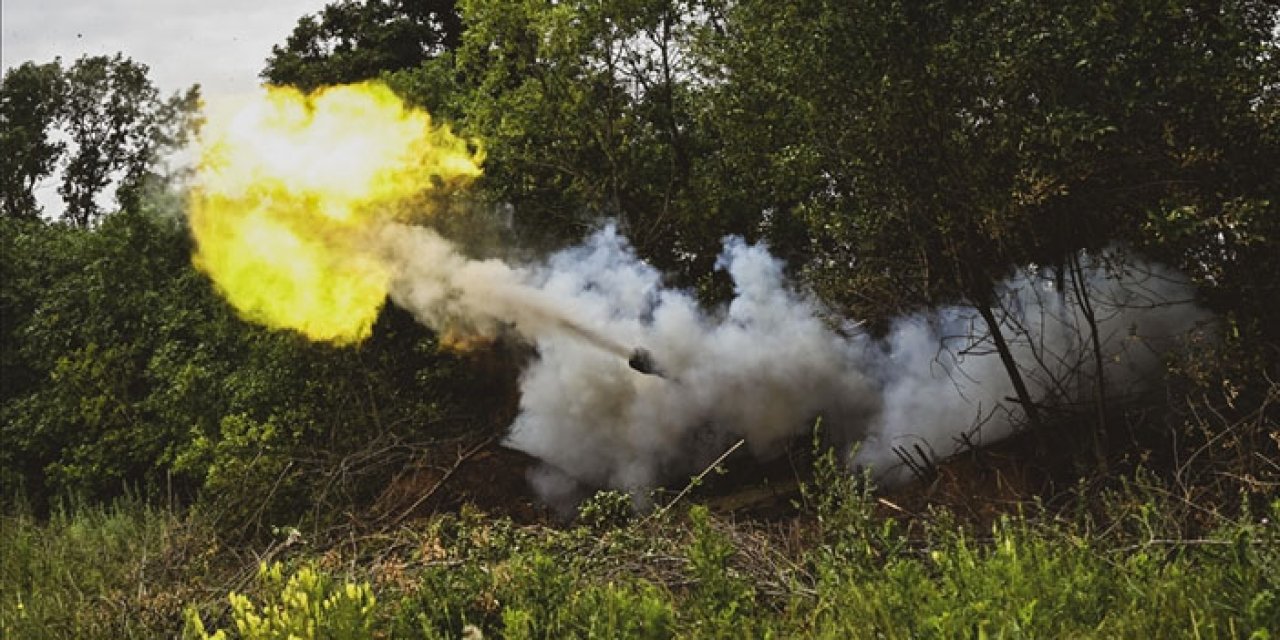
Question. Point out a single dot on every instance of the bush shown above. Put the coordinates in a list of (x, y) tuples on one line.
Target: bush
[(308, 604)]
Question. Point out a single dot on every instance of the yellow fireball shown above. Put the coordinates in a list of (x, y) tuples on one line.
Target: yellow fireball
[(291, 188)]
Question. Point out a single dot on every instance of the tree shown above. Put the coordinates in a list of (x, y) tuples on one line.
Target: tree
[(349, 41), (30, 108), (931, 147), (116, 126), (585, 111)]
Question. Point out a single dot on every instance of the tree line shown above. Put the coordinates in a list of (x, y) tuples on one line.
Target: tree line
[(896, 155)]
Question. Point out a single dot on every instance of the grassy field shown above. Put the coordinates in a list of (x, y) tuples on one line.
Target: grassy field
[(843, 566)]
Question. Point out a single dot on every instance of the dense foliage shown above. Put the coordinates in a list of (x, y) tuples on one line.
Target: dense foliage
[(896, 155), (124, 369), (349, 41)]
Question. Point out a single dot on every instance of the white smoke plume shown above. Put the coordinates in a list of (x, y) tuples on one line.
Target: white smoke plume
[(766, 365), (945, 387)]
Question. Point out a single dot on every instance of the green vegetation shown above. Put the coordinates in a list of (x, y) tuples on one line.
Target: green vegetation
[(115, 129), (844, 570), (306, 604), (168, 469), (86, 571), (124, 369)]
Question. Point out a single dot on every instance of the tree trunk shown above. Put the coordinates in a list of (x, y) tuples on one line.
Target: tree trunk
[(1010, 366), (1081, 289)]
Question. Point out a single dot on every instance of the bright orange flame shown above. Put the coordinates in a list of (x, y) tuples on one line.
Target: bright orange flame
[(290, 189)]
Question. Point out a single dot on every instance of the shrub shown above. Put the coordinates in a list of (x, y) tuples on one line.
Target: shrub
[(308, 604)]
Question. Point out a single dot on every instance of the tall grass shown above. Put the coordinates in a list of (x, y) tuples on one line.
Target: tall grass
[(92, 572), (840, 570), (844, 573)]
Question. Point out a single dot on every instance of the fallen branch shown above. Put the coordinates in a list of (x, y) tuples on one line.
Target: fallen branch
[(696, 480), (462, 457)]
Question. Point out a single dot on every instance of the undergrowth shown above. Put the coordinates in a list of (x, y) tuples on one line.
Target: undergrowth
[(92, 571), (841, 569)]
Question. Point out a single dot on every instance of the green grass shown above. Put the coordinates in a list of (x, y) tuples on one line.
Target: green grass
[(839, 571), (1025, 581), (114, 571)]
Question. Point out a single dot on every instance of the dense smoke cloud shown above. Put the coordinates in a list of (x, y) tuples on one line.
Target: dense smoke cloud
[(766, 365)]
